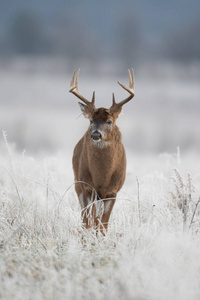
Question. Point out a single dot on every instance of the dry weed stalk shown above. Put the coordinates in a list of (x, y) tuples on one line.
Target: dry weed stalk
[(183, 194), (139, 210), (194, 212), (13, 177)]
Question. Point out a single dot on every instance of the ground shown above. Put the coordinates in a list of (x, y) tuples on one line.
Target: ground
[(148, 253)]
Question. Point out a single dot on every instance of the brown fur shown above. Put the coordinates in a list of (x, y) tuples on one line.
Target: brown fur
[(101, 169)]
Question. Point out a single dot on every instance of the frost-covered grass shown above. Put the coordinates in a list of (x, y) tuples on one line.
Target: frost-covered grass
[(148, 253), (151, 250)]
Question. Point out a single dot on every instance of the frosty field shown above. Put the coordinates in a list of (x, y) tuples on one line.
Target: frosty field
[(151, 250)]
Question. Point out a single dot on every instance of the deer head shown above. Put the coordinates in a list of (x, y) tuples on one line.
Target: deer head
[(102, 120)]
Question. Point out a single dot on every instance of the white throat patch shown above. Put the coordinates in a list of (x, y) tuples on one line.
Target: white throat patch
[(101, 144)]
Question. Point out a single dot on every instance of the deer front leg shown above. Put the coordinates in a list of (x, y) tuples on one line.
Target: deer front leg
[(86, 199), (102, 221), (115, 185)]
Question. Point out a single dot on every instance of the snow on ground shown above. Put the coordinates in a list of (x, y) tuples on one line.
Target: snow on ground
[(150, 251), (45, 253)]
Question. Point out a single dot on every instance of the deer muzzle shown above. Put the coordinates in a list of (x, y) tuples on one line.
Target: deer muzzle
[(96, 135)]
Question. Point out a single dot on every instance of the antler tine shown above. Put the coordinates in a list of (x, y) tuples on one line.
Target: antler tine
[(77, 74), (74, 90), (113, 99), (129, 89), (72, 87)]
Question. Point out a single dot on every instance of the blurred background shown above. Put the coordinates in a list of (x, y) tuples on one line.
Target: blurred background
[(41, 43)]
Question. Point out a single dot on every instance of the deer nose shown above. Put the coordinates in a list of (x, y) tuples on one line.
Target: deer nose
[(96, 135)]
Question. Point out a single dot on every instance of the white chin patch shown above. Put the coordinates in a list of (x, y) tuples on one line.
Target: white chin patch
[(99, 140), (100, 143)]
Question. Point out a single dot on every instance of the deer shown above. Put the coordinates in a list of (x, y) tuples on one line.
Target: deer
[(99, 158)]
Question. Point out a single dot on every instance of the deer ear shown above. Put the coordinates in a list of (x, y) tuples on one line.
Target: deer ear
[(85, 110)]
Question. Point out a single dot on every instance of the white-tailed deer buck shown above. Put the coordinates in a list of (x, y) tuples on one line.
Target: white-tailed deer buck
[(99, 159)]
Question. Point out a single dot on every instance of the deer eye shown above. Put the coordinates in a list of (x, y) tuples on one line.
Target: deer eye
[(109, 122)]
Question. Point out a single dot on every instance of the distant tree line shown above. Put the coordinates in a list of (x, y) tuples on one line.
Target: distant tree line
[(184, 45), (71, 37)]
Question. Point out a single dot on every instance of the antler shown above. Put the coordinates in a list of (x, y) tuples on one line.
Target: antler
[(129, 89), (74, 90)]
